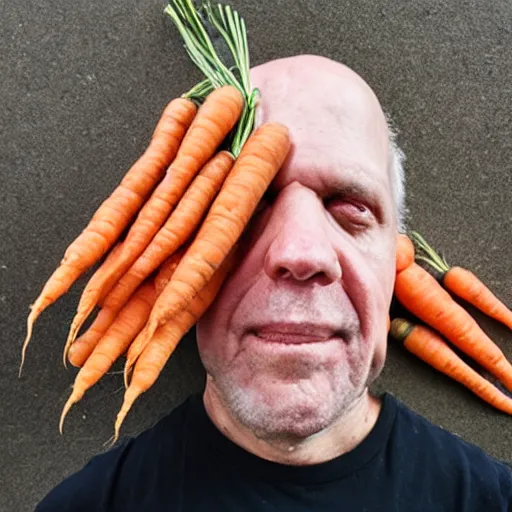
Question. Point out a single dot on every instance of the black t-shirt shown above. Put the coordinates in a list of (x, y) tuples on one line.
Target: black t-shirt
[(184, 463)]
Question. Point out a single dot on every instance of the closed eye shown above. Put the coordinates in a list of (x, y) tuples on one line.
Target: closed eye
[(350, 213)]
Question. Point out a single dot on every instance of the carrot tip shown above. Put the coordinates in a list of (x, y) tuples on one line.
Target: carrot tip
[(73, 399), (81, 316), (109, 443), (130, 396), (30, 322)]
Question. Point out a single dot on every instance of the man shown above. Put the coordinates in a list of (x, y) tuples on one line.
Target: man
[(294, 339)]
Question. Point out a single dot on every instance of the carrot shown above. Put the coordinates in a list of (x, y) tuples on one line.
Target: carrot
[(179, 226), (113, 344), (214, 120), (433, 350), (258, 163), (463, 283), (467, 286), (404, 252), (82, 348), (422, 295), (115, 213), (156, 353)]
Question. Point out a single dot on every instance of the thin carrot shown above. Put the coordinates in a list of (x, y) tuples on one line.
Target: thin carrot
[(213, 122), (258, 163), (82, 348), (464, 283), (433, 350), (156, 353), (467, 286), (422, 295), (179, 227), (121, 333), (404, 252), (115, 213)]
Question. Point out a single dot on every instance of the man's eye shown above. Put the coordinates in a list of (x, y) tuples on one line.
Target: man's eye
[(349, 212)]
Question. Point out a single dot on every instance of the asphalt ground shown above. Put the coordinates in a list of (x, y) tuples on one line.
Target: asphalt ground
[(82, 86)]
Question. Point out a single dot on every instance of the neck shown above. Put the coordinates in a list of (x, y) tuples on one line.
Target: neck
[(339, 438)]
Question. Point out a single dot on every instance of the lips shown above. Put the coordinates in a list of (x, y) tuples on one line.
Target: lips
[(294, 333)]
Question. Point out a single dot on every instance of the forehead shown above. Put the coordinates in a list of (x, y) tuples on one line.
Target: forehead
[(337, 127)]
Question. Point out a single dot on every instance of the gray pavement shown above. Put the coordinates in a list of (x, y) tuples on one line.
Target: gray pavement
[(81, 87)]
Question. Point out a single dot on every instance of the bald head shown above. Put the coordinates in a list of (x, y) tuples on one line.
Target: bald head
[(310, 87)]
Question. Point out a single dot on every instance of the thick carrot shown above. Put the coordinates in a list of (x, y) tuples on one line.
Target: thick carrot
[(115, 213), (433, 350), (113, 344), (463, 283), (422, 295), (82, 348), (151, 358), (260, 159), (180, 225), (404, 252), (214, 120)]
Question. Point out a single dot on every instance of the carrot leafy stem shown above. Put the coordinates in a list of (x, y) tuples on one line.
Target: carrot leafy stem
[(197, 27), (199, 92), (428, 254)]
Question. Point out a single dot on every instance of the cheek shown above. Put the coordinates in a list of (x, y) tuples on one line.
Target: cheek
[(215, 328)]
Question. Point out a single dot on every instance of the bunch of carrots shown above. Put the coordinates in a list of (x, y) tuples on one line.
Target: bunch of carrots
[(427, 294), (183, 206)]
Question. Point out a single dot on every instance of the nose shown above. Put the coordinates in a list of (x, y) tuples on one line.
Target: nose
[(300, 247)]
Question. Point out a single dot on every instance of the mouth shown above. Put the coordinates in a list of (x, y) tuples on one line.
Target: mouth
[(295, 333)]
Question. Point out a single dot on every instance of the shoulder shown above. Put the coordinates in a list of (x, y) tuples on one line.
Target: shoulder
[(449, 462), (122, 470)]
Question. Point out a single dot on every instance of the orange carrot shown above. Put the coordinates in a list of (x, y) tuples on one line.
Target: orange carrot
[(121, 333), (260, 159), (167, 269), (214, 120), (404, 252), (115, 213), (156, 353), (463, 283), (433, 350), (422, 295), (467, 286), (82, 348), (179, 226)]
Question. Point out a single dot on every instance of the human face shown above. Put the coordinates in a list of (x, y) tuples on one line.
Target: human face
[(299, 328)]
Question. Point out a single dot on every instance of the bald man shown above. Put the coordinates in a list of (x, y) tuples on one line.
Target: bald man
[(293, 341)]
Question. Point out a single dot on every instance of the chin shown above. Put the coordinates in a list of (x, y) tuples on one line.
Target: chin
[(277, 409)]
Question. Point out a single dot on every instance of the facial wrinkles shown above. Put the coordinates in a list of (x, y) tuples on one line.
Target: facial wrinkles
[(335, 121), (288, 239)]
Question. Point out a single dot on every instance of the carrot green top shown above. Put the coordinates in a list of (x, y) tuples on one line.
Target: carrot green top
[(224, 24), (428, 254)]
